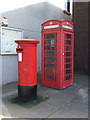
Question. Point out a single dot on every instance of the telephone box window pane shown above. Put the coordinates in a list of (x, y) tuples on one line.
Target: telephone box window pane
[(49, 47), (51, 54), (68, 71), (68, 54), (50, 74), (48, 36), (49, 65), (68, 48), (68, 60), (49, 59), (68, 77), (68, 66), (68, 42), (49, 41), (68, 36)]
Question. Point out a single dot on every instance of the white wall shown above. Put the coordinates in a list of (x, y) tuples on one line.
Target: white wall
[(9, 69), (0, 70)]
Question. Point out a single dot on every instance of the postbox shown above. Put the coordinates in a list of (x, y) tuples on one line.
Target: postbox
[(57, 53), (27, 74)]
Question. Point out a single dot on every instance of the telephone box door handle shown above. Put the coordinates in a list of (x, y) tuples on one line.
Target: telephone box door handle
[(63, 54)]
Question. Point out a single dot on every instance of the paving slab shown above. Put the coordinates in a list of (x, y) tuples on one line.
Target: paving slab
[(73, 110)]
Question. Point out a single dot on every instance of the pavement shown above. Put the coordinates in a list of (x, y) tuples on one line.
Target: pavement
[(71, 102)]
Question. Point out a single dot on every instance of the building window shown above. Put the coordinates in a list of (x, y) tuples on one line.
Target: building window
[(68, 6)]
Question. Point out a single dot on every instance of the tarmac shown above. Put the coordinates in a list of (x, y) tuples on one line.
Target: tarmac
[(72, 102)]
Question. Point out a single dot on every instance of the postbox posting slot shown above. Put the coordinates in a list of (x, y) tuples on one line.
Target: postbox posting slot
[(19, 49)]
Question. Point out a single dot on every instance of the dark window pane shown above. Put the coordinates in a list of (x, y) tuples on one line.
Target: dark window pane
[(68, 54), (68, 48), (49, 59), (67, 65), (68, 77), (51, 54), (49, 47), (68, 60), (68, 71), (49, 65), (51, 35), (50, 74), (68, 42), (49, 41), (68, 36)]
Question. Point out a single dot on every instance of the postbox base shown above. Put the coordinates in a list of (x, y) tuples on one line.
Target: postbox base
[(27, 93)]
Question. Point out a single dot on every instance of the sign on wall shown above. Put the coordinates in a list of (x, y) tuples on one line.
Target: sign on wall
[(8, 37)]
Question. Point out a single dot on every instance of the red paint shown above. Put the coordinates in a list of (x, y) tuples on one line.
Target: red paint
[(4, 17), (27, 67), (55, 51)]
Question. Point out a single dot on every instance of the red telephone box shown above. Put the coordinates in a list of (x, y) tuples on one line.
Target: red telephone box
[(27, 74), (57, 53)]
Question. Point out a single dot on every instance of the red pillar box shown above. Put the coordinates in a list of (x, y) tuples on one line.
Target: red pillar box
[(27, 78)]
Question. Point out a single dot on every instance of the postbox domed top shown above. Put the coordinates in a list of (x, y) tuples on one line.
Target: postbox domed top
[(32, 41)]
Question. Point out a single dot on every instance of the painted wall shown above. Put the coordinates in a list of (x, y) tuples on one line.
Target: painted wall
[(88, 40), (0, 70), (29, 19), (81, 36)]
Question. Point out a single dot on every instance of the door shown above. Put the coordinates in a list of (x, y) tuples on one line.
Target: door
[(68, 58), (49, 59)]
